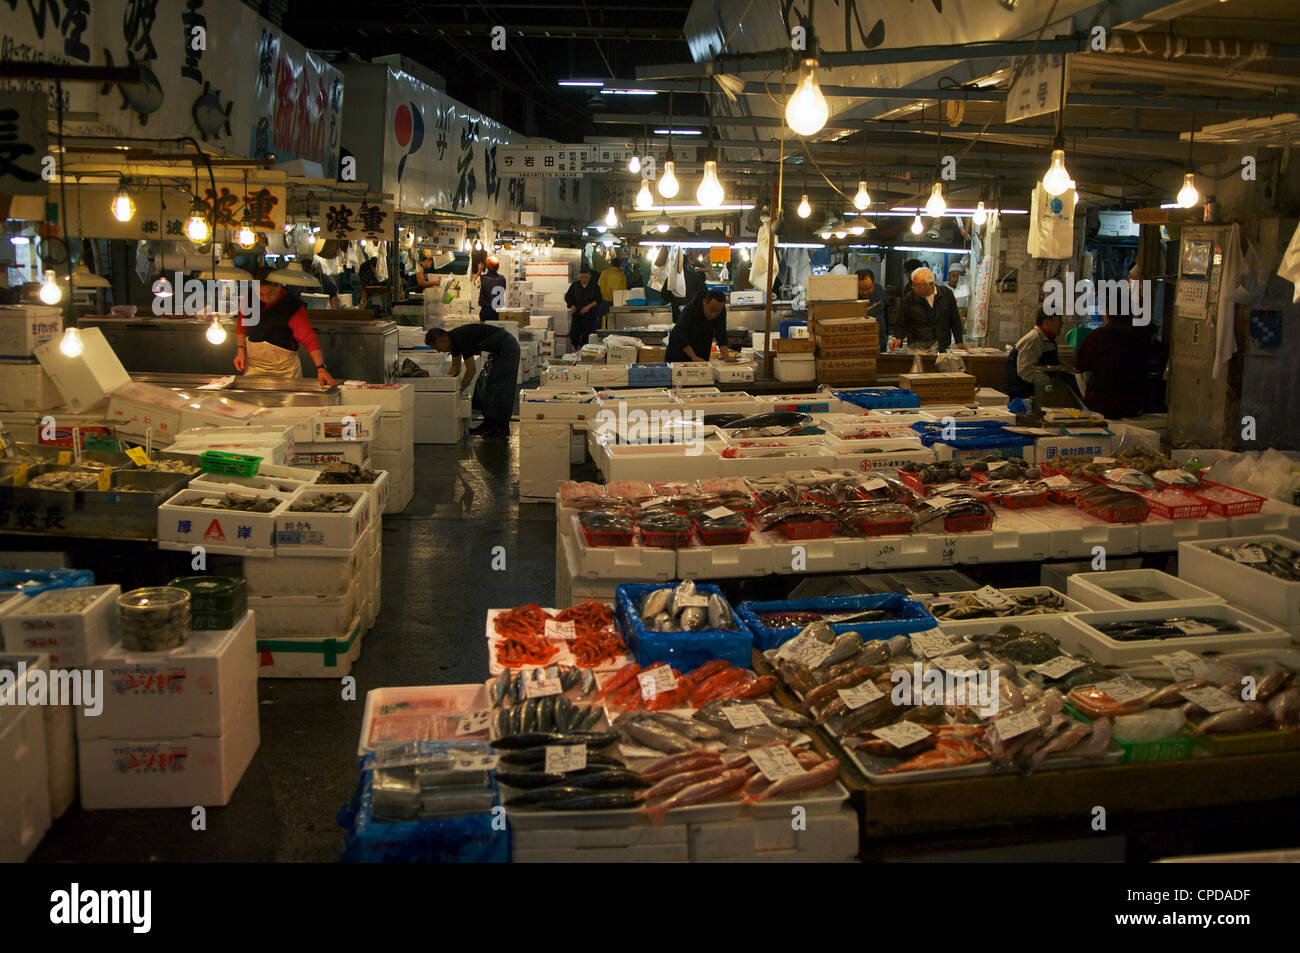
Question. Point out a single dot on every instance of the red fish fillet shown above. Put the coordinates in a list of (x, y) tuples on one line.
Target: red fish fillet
[(711, 790), (679, 763)]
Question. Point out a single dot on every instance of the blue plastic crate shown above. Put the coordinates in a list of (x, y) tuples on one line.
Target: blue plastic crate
[(789, 324), (649, 375), (880, 398), (32, 582), (915, 617), (684, 651), (972, 435)]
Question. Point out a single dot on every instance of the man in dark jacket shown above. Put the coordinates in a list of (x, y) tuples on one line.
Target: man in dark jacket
[(703, 321), (585, 307), (877, 303), (1116, 355), (693, 276), (928, 315), (489, 298)]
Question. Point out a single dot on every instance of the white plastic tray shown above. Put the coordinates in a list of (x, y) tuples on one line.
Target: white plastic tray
[(1261, 592), (1262, 634), (1094, 590)]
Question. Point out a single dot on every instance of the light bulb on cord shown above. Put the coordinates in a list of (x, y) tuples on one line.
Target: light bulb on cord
[(709, 193), (744, 254), (245, 237), (1056, 180), (862, 199), (70, 344), (123, 205), (981, 215), (806, 111), (611, 218), (478, 245), (196, 226), (917, 226), (215, 333), (1187, 195), (668, 181), (662, 227), (857, 230), (825, 235), (841, 233), (643, 198), (804, 208), (935, 204), (634, 164), (50, 292)]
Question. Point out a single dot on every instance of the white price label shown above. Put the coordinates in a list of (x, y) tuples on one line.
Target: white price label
[(994, 599), (541, 687), (475, 762), (653, 502), (873, 483), (931, 643), (560, 759), (1211, 699), (1058, 481), (657, 681), (475, 721), (1012, 726), (776, 762), (561, 630), (806, 650), (1249, 554), (956, 664), (937, 503), (1103, 459), (696, 600), (1059, 667), (719, 512), (1179, 477), (1183, 665), (860, 695), (1192, 627), (745, 716), (902, 734), (1124, 690)]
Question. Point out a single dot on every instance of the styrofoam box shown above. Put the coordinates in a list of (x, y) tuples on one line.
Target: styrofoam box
[(213, 410), (438, 429), (1262, 634), (137, 409), (301, 420), (396, 431), (544, 456), (303, 533), (234, 532), (654, 462), (302, 615), (1261, 592), (638, 561), (800, 556), (397, 398), (1076, 534), (22, 825), (71, 639), (60, 758), (898, 452), (737, 561), (1065, 628), (1157, 534), (271, 451), (169, 772), (23, 764), (304, 575), (832, 287), (25, 387), (755, 466), (347, 423), (378, 495), (25, 327), (1012, 538), (793, 369), (558, 406), (915, 549), (827, 838), (311, 656), (195, 689), (403, 491), (735, 373), (1093, 589), (87, 379), (689, 373), (333, 451), (1070, 604), (220, 483)]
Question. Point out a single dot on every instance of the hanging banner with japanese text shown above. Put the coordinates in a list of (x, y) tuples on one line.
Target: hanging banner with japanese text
[(353, 220), (22, 144), (1037, 90), (264, 203), (544, 160), (299, 97)]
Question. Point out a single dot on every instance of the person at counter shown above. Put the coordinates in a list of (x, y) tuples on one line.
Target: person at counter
[(489, 282), (585, 307), (877, 303), (703, 321), (1037, 349), (928, 315), (327, 284), (1116, 356), (465, 343), (424, 268), (612, 279), (269, 346)]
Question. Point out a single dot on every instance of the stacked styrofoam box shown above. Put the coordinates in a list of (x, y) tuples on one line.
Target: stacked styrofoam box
[(667, 843), (24, 772), (397, 432), (824, 838), (24, 328), (178, 728), (70, 639), (1263, 593), (275, 445), (146, 411), (183, 523), (86, 380), (544, 456), (26, 388)]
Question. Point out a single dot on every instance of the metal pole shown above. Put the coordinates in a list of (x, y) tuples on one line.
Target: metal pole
[(767, 297)]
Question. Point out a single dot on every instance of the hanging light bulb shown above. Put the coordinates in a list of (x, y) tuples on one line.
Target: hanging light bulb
[(662, 227), (1056, 180), (478, 245), (196, 226), (805, 110), (935, 204), (841, 233), (709, 193), (981, 216), (643, 198), (862, 199), (804, 208), (634, 164), (123, 205), (245, 237), (1187, 195), (744, 254), (70, 344), (825, 235), (50, 292), (668, 181), (857, 230), (215, 333), (611, 218), (917, 226)]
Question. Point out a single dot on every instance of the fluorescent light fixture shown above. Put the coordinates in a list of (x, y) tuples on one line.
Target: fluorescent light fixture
[(686, 244), (19, 240), (678, 132), (734, 207), (906, 211), (582, 82), (628, 92), (781, 245)]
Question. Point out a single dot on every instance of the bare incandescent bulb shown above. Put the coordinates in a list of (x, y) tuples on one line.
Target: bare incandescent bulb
[(1187, 195), (70, 344), (50, 292), (634, 164), (1056, 180), (215, 333), (806, 111), (917, 226), (804, 209), (935, 204), (123, 205), (981, 215), (611, 218), (668, 181), (643, 198), (862, 199), (709, 193)]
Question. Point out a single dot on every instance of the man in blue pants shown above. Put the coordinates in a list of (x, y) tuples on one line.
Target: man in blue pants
[(466, 343)]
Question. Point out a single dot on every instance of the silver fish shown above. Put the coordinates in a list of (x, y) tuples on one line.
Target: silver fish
[(663, 622), (719, 613), (588, 681), (874, 652), (652, 734), (1242, 718), (846, 645), (499, 689), (690, 727), (694, 618), (1284, 707), (655, 602), (1271, 682), (899, 645), (819, 631)]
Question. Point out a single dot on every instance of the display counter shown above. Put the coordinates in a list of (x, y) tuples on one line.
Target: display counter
[(989, 369), (740, 317)]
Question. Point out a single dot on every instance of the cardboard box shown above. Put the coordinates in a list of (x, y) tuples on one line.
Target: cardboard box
[(544, 458), (26, 388), (621, 353), (831, 310), (690, 373), (24, 328), (651, 355), (561, 375), (793, 345), (870, 341), (841, 327), (196, 689), (833, 288), (607, 375), (87, 379), (847, 354)]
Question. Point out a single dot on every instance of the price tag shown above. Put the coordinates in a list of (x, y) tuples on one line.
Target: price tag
[(994, 599), (657, 681), (860, 695), (902, 734), (656, 501), (560, 759), (1192, 627), (20, 475), (1211, 699), (1180, 477), (941, 602), (65, 458), (1059, 667), (776, 762), (138, 456), (1184, 665), (104, 482), (745, 716), (561, 630), (996, 465), (1058, 481), (476, 762), (541, 687), (931, 643), (696, 600), (1012, 726), (1249, 554), (1103, 459), (1124, 689), (873, 483), (475, 721), (936, 503), (956, 663), (806, 650), (719, 512)]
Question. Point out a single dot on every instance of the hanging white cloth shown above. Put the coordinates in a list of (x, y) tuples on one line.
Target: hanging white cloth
[(758, 276), (800, 266), (676, 274), (1233, 290), (1290, 267)]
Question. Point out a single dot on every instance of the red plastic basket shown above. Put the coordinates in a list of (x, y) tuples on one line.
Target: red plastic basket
[(1193, 509), (1126, 514), (967, 524), (793, 530), (910, 481), (883, 527), (601, 538), (661, 540), (723, 537), (1024, 502), (1249, 502)]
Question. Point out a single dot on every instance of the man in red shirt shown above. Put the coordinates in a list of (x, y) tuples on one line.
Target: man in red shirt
[(269, 346)]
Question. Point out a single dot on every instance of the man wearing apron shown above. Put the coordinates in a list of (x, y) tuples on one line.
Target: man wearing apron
[(502, 371), (1035, 350), (269, 346)]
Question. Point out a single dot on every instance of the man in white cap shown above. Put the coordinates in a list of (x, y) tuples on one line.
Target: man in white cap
[(928, 315)]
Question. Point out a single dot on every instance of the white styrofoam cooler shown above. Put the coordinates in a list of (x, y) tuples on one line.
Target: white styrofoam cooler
[(1260, 634), (304, 575), (302, 533), (25, 388), (88, 378), (71, 639), (312, 656), (233, 532), (302, 615), (1094, 589), (1253, 589), (24, 328)]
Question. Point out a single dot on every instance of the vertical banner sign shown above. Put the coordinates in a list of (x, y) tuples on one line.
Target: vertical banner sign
[(1037, 90), (22, 144), (987, 267), (299, 99)]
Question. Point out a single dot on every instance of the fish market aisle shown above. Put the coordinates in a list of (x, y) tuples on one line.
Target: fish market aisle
[(438, 584)]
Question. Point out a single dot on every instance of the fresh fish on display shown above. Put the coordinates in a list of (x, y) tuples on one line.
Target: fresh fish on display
[(1141, 594), (693, 618), (762, 735), (1173, 694), (524, 757), (947, 753), (1284, 707), (599, 777), (1138, 630), (780, 423), (689, 727), (592, 739), (648, 732), (845, 646), (1100, 498), (693, 760), (711, 790), (852, 514), (595, 801), (720, 616), (1062, 744), (967, 606), (961, 506), (818, 777), (607, 521), (665, 522), (675, 782), (1029, 648), (1244, 717), (773, 516)]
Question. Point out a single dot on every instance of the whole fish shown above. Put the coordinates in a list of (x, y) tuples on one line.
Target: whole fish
[(531, 711), (588, 681), (693, 618), (592, 739), (819, 631), (796, 676), (563, 712), (1172, 694), (763, 735), (1098, 742), (900, 645), (517, 687), (597, 777), (784, 717), (693, 760), (655, 602), (652, 734), (596, 801), (710, 790), (828, 690), (709, 669), (881, 748), (1275, 677), (758, 782), (499, 690), (876, 652), (947, 753), (720, 613), (1284, 707), (1061, 743), (663, 622), (516, 719), (753, 689), (1242, 718), (874, 714), (690, 727), (675, 782), (846, 645), (546, 713), (569, 677), (820, 776), (620, 678), (501, 722)]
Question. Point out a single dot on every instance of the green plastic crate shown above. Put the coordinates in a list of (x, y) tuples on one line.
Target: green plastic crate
[(229, 464), (1136, 752)]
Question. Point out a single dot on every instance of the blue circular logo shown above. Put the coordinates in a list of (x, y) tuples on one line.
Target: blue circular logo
[(1056, 206)]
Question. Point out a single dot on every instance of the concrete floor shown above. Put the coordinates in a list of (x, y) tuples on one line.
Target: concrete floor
[(438, 583)]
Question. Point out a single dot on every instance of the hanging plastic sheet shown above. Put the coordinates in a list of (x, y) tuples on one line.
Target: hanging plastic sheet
[(758, 276), (1290, 267)]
